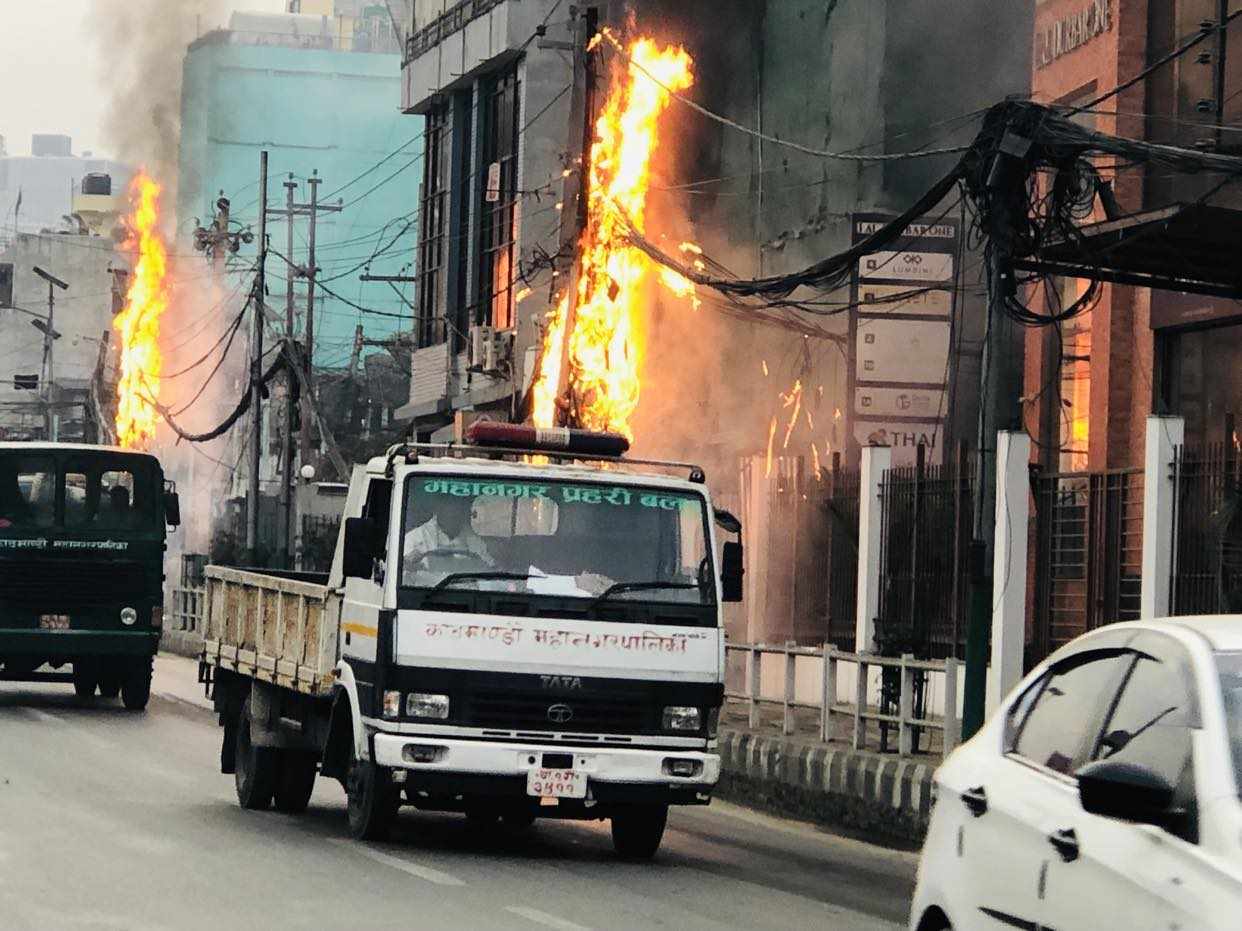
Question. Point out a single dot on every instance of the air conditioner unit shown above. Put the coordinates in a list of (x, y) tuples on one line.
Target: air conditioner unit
[(499, 351), (478, 347)]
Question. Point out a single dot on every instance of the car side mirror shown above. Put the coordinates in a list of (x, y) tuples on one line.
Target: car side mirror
[(172, 509), (732, 572), (726, 521), (1126, 791), (359, 546)]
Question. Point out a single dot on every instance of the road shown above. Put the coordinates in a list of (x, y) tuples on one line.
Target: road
[(113, 820)]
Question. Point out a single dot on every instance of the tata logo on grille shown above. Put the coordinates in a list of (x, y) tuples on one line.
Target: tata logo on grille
[(561, 682), (560, 714)]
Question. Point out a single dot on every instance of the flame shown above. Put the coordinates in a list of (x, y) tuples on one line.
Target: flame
[(604, 341), (553, 348), (138, 323)]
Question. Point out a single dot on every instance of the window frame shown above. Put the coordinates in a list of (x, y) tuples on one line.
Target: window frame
[(433, 227), (498, 221)]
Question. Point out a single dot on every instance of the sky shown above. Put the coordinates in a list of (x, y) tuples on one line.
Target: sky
[(50, 69)]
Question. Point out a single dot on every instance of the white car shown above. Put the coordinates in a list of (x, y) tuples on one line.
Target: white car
[(1103, 793)]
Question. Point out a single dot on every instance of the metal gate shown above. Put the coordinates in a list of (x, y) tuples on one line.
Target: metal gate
[(1088, 554), (924, 559), (1207, 522)]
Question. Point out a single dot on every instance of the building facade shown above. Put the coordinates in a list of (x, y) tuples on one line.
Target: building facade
[(1089, 388), (320, 94), (47, 181)]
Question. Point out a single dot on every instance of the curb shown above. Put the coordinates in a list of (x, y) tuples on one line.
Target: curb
[(871, 793)]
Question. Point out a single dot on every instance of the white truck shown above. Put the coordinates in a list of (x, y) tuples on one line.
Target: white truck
[(528, 628)]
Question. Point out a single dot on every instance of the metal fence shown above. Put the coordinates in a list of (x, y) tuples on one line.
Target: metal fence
[(450, 21), (1207, 521), (904, 681), (1088, 554), (319, 533), (925, 558), (839, 507)]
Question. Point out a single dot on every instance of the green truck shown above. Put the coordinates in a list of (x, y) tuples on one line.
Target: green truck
[(82, 541)]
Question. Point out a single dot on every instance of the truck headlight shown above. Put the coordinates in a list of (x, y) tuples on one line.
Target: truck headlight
[(129, 617), (682, 718), (392, 704), (424, 705)]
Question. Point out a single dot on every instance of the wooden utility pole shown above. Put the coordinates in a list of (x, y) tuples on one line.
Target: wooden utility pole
[(575, 203), (256, 373)]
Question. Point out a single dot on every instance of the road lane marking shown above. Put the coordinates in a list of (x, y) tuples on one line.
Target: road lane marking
[(405, 866), (543, 918)]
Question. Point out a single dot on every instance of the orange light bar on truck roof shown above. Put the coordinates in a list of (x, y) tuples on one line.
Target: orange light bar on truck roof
[(552, 439)]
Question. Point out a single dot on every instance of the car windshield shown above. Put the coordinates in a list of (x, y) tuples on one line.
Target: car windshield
[(570, 539), (1229, 667)]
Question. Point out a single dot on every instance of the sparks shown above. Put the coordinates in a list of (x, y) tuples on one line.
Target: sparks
[(771, 438), (765, 368), (819, 475), (522, 295), (793, 398), (138, 323)]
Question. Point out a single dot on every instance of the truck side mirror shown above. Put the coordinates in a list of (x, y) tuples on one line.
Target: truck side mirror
[(172, 509), (359, 548), (731, 572)]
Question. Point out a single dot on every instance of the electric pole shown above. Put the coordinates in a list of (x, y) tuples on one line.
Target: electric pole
[(575, 202), (256, 373), (47, 372), (291, 272), (310, 271)]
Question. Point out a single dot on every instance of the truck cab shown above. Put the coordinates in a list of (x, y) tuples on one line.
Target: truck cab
[(82, 540), (528, 626)]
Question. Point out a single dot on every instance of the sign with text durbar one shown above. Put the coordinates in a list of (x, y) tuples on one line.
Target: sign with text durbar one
[(901, 335)]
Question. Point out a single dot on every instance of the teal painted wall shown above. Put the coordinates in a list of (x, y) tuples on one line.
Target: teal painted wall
[(333, 111)]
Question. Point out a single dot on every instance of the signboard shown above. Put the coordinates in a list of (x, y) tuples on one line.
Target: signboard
[(1072, 32), (492, 194), (899, 350)]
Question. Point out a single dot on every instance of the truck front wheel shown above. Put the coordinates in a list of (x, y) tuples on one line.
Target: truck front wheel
[(254, 772), (637, 831), (373, 800), (136, 684)]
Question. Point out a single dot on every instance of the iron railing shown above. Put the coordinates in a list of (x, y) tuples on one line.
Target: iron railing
[(450, 21), (926, 529), (840, 548), (1088, 555), (319, 534), (902, 713), (1207, 522)]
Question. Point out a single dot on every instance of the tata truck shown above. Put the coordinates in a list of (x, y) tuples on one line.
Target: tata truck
[(82, 540), (525, 627)]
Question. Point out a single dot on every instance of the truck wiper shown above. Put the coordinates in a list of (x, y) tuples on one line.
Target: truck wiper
[(654, 585), (454, 577)]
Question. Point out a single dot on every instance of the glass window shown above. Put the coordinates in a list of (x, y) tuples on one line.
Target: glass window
[(558, 538), (1229, 668), (101, 498), (1151, 723), (433, 228), (1066, 714), (498, 229), (27, 492)]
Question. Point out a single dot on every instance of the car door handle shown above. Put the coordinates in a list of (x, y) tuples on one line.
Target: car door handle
[(1066, 844), (976, 800)]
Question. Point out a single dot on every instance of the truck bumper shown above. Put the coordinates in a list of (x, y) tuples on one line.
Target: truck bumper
[(482, 769), (66, 644)]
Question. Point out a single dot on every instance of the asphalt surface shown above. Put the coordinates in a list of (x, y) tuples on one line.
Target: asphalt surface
[(114, 820)]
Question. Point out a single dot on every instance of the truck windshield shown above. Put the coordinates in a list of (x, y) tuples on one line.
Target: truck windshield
[(571, 539), (92, 492)]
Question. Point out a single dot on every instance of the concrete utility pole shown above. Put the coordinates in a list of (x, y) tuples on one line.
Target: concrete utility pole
[(47, 372), (286, 484), (575, 206), (256, 374)]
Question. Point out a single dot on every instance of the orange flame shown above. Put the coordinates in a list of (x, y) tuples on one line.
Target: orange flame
[(138, 323), (544, 388), (604, 343)]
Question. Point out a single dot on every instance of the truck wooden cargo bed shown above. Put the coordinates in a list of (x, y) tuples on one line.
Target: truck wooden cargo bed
[(278, 628)]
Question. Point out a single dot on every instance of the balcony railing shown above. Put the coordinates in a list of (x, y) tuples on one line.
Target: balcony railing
[(450, 21)]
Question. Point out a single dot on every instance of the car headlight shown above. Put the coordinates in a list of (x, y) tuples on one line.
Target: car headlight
[(392, 704), (424, 705), (129, 617), (682, 718)]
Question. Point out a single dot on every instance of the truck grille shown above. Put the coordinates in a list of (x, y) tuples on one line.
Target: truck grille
[(588, 714), (57, 581)]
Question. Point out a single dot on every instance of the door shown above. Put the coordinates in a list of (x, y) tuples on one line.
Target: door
[(365, 597), (1126, 875), (1049, 731)]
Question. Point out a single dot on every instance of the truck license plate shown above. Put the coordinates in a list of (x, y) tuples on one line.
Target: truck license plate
[(54, 622), (556, 783)]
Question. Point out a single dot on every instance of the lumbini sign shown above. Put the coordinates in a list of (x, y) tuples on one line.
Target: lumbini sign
[(1072, 32)]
